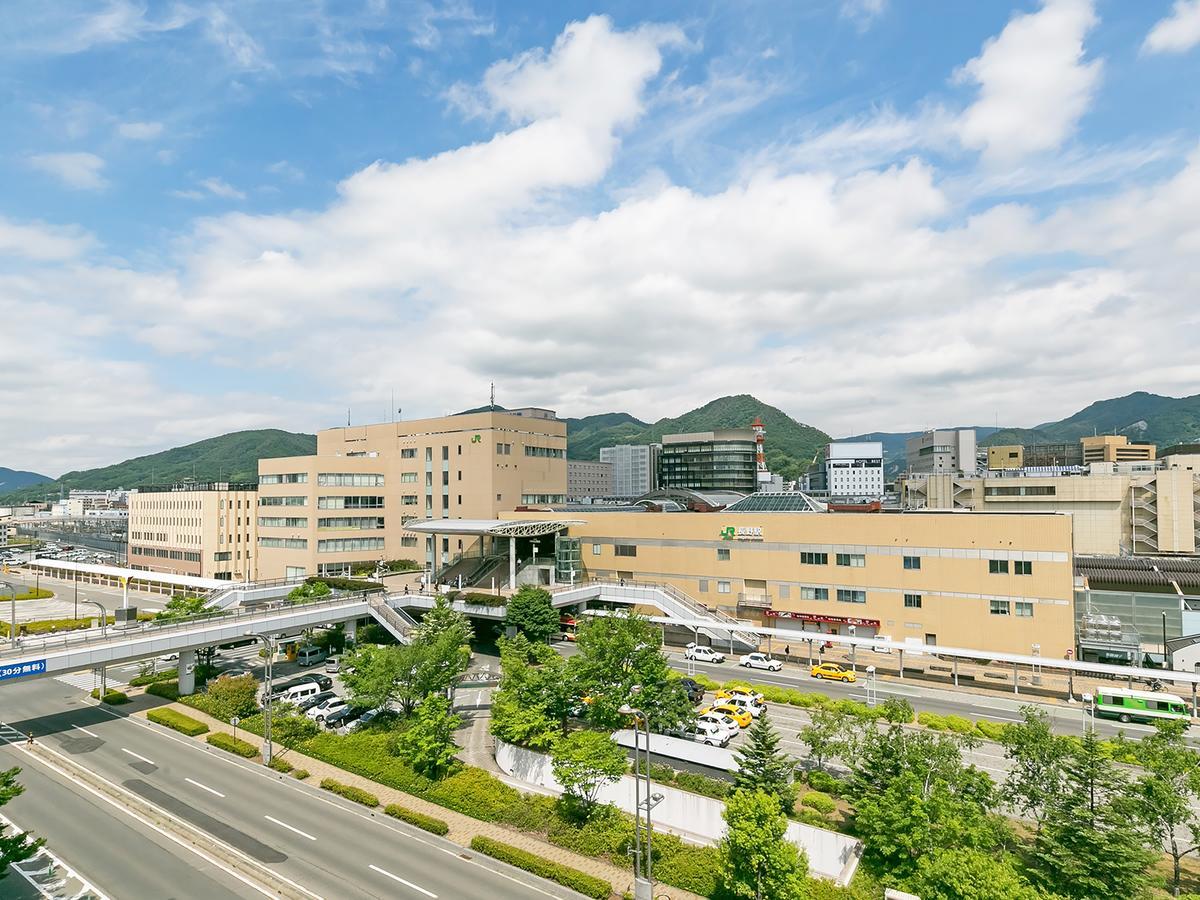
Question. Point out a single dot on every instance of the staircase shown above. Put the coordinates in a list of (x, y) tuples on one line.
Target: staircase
[(399, 624)]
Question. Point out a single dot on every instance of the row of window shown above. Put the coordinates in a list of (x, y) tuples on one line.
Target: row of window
[(545, 452), (527, 499), (283, 501), (287, 478), (275, 543), (913, 563), (1024, 609), (347, 545), (160, 553), (370, 502), (365, 523), (349, 479), (1000, 567), (282, 522)]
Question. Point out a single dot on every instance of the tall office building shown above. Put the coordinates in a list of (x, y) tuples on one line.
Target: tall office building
[(721, 460), (941, 452), (854, 469), (588, 479), (207, 530), (634, 468)]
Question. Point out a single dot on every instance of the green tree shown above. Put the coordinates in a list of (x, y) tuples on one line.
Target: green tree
[(826, 733), (897, 710), (428, 742), (584, 762), (403, 673), (229, 697), (763, 766), (292, 729), (1165, 795), (529, 611), (1036, 756), (757, 860), (968, 874), (182, 606), (442, 620), (1090, 846), (310, 590), (14, 848), (518, 712)]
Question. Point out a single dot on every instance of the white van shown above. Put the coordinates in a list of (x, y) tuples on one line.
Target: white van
[(310, 656), (297, 692)]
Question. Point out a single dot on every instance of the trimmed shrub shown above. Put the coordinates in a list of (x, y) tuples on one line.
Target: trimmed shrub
[(164, 675), (177, 720), (823, 782), (822, 803), (807, 701), (586, 884), (960, 724), (112, 698), (168, 689), (279, 764), (412, 817), (350, 792), (224, 741), (993, 731), (811, 817), (702, 784), (478, 599), (692, 868), (932, 720), (300, 774)]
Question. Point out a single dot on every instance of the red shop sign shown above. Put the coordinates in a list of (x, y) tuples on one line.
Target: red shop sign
[(813, 617)]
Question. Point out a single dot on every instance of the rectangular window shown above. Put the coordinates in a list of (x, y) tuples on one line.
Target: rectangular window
[(814, 559), (408, 500), (360, 522), (1024, 610), (912, 562), (545, 452), (293, 478), (703, 585), (349, 503), (346, 545), (283, 543), (408, 540), (849, 596), (283, 501), (997, 566), (853, 560), (596, 549), (445, 453), (222, 556), (1022, 567), (625, 549), (722, 553), (999, 607), (814, 593), (503, 449), (348, 479), (281, 522), (912, 601), (408, 477), (408, 452), (722, 587), (527, 499)]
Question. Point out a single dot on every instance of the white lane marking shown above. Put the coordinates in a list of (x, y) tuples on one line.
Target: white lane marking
[(402, 881), (85, 731), (139, 756), (290, 827), (203, 787)]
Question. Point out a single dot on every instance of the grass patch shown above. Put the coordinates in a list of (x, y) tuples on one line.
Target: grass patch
[(412, 817), (588, 885), (154, 677), (112, 698), (177, 720), (224, 741), (358, 795), (299, 774), (279, 764)]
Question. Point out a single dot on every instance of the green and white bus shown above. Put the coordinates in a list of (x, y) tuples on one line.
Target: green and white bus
[(1138, 706)]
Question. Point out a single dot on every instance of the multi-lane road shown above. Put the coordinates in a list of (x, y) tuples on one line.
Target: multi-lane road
[(292, 833)]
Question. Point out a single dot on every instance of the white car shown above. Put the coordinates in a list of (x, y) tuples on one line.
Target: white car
[(720, 721), (702, 653), (709, 733), (760, 661), (742, 702), (326, 708)]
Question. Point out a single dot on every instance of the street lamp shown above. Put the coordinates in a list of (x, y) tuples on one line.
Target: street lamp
[(12, 628), (853, 647), (643, 887), (269, 644)]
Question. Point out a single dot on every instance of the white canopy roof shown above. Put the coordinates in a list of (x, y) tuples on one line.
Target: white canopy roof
[(494, 527)]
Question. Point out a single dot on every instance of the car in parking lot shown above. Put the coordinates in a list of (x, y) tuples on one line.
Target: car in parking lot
[(833, 672), (702, 653), (353, 724), (746, 704), (755, 696), (760, 661), (343, 716), (704, 732), (695, 692), (309, 702), (333, 665), (323, 710), (324, 682), (721, 721), (739, 715)]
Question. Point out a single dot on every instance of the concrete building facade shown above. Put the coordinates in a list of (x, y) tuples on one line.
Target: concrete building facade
[(941, 451), (1114, 448), (1007, 456), (719, 460), (854, 469), (207, 530), (345, 508), (588, 479), (634, 468)]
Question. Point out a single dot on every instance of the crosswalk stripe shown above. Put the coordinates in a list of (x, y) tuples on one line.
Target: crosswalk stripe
[(87, 681)]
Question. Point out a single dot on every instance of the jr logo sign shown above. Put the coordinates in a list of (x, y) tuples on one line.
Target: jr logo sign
[(732, 533), (729, 533)]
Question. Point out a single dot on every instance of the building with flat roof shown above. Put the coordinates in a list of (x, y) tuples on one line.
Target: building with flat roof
[(206, 530), (941, 451), (634, 468), (588, 479), (345, 508), (719, 460), (854, 469), (1068, 453), (1005, 456), (1114, 448)]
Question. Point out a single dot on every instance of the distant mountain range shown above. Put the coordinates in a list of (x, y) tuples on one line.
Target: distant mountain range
[(791, 445)]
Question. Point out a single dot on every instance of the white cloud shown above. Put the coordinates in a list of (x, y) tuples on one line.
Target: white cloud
[(41, 242), (287, 170), (1034, 84), (433, 19), (82, 171), (863, 12), (221, 188), (1178, 32), (140, 131)]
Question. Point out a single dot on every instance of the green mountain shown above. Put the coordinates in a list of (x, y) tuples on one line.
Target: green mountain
[(791, 445), (230, 457), (14, 479), (894, 444), (1140, 416)]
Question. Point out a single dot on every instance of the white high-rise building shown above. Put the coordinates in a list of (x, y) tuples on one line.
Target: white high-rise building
[(854, 469), (942, 452), (633, 468)]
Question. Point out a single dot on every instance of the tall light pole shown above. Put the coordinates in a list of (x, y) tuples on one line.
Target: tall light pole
[(643, 887), (268, 642), (12, 628)]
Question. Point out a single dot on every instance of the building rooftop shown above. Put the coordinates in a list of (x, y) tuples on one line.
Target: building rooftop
[(769, 501)]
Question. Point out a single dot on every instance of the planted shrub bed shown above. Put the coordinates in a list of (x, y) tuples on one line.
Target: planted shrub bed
[(228, 742), (112, 698), (412, 817), (588, 885), (358, 795), (178, 721), (168, 689)]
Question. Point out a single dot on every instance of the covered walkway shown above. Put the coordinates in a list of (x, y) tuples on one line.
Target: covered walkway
[(494, 528), (124, 578)]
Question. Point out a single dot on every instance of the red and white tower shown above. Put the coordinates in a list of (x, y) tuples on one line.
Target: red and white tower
[(760, 455)]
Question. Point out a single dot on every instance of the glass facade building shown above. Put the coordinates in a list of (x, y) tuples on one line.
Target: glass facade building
[(709, 461)]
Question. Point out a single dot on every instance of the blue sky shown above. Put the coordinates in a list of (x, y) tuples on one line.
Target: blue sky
[(873, 214)]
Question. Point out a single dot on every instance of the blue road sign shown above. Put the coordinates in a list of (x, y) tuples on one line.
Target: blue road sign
[(19, 670)]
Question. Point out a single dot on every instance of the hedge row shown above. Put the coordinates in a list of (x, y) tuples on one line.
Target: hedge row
[(588, 885), (154, 677), (479, 599), (177, 720), (412, 817), (168, 689), (279, 764), (228, 742), (112, 698), (350, 792)]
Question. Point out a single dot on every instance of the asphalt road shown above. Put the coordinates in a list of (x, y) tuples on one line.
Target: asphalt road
[(326, 846)]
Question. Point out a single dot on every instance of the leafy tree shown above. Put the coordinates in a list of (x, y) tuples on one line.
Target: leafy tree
[(229, 697), (1036, 755), (897, 710), (826, 733), (763, 766), (531, 613), (403, 673), (291, 729), (757, 860), (428, 743), (182, 606), (584, 762), (310, 590), (1165, 795), (20, 846), (532, 703), (443, 619), (967, 874), (1090, 846)]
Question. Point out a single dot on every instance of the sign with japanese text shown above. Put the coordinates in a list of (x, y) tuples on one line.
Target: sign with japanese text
[(19, 670)]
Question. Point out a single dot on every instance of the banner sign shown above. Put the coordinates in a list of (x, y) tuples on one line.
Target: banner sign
[(18, 670), (814, 617)]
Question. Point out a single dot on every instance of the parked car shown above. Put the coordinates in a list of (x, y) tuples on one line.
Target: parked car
[(310, 656), (741, 716), (324, 682), (333, 665), (323, 710), (833, 672), (343, 716), (358, 722), (695, 693), (309, 702), (702, 653), (721, 721), (754, 696), (760, 661), (709, 733), (296, 693), (745, 703)]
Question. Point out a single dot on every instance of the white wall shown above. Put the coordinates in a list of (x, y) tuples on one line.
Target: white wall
[(830, 855)]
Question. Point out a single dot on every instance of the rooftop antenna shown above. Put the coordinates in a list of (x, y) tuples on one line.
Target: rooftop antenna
[(347, 417), (492, 398)]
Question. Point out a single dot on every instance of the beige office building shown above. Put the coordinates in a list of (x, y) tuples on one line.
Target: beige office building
[(346, 507), (1114, 448), (207, 530), (994, 581)]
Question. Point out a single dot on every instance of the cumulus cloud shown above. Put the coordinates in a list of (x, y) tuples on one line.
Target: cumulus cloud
[(41, 242), (140, 131), (1034, 84), (81, 171), (863, 12), (1178, 32), (221, 188)]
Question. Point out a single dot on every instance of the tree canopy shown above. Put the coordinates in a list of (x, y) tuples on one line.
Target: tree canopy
[(529, 611), (762, 765), (584, 762), (757, 860), (21, 845)]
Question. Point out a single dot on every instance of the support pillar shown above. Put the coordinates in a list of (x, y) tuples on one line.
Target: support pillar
[(901, 665), (124, 593), (1016, 680), (187, 672), (103, 673), (512, 563), (956, 671)]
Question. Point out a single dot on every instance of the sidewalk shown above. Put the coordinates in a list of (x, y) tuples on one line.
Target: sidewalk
[(462, 828)]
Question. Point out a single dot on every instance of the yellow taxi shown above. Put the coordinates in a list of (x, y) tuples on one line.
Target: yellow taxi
[(741, 716), (832, 672), (751, 696)]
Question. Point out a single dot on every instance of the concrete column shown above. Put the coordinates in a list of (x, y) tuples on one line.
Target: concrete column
[(124, 593), (187, 672), (512, 563)]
